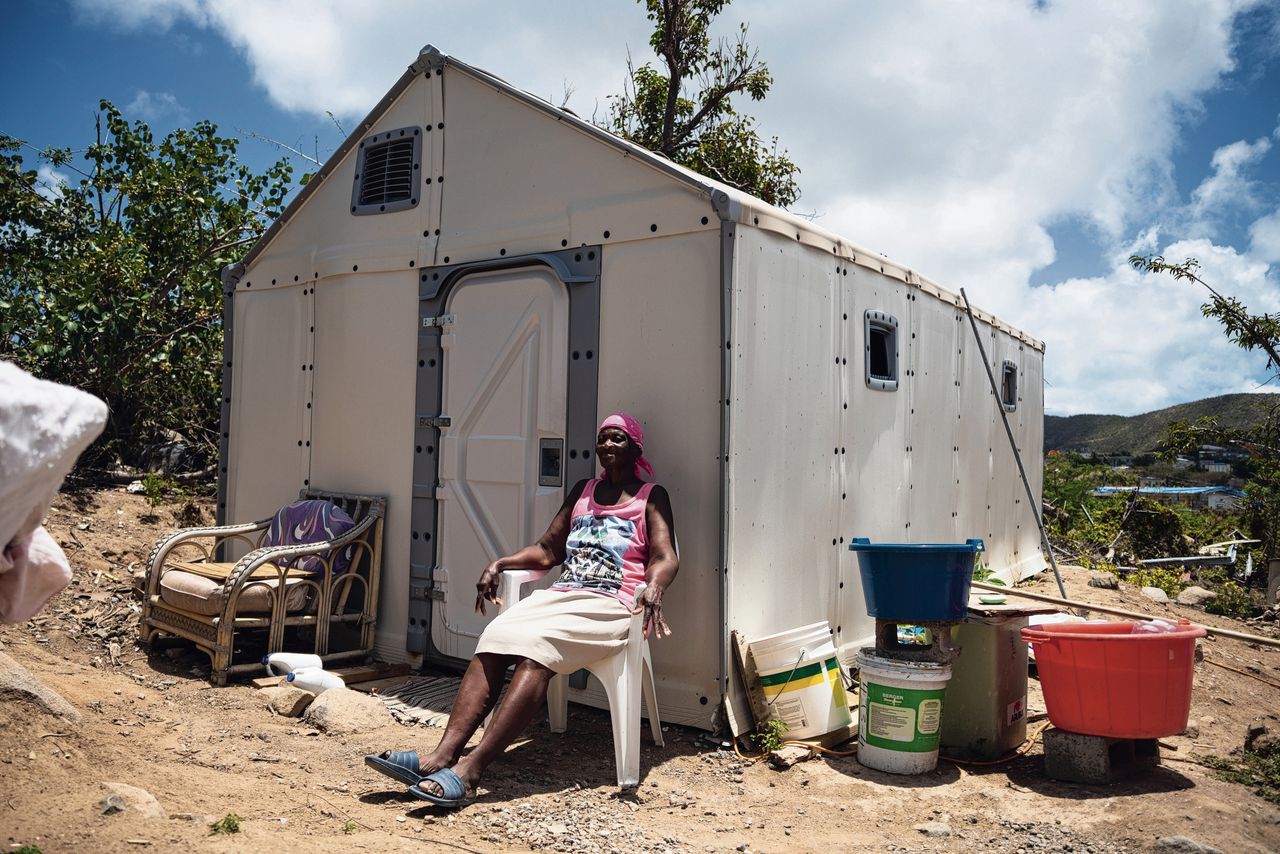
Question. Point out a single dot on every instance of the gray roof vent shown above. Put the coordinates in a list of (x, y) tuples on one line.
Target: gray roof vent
[(388, 172)]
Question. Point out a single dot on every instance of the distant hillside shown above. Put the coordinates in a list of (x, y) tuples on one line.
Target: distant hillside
[(1115, 434)]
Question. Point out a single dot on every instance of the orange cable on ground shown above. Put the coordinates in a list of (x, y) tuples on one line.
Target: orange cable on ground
[(1242, 672), (1022, 749), (814, 747)]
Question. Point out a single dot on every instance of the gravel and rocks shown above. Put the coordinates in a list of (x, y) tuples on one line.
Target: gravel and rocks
[(1182, 845), (576, 820)]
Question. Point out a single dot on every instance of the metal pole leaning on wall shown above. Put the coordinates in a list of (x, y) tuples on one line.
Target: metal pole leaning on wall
[(1013, 445)]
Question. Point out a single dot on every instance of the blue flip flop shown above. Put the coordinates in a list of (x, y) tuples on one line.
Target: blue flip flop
[(453, 792), (399, 765)]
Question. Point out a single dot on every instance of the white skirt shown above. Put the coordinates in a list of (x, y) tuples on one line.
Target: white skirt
[(564, 630)]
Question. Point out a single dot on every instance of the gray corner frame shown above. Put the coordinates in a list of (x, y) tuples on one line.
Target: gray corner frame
[(579, 270), (728, 210), (415, 183), (231, 275)]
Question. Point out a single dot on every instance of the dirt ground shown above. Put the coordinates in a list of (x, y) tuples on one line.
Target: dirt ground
[(151, 720)]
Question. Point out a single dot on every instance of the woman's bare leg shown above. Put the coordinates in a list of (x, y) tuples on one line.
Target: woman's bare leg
[(480, 688), (527, 692)]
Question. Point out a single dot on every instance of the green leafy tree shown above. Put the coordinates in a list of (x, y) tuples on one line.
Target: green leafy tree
[(1251, 332), (112, 283), (685, 111)]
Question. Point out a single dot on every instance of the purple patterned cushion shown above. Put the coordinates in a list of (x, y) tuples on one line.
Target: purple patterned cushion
[(304, 522)]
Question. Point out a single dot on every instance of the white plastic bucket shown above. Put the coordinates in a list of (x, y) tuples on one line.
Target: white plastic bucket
[(801, 679), (900, 713)]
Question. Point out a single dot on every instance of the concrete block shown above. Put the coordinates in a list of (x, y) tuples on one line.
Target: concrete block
[(1094, 759)]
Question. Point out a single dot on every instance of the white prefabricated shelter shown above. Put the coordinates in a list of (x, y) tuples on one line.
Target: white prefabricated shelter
[(476, 277)]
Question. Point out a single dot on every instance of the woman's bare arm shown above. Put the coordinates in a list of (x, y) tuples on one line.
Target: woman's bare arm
[(663, 561)]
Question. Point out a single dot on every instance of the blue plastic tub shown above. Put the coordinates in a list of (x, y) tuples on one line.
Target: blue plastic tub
[(916, 582)]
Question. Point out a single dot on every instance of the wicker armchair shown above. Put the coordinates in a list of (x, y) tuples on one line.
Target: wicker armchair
[(190, 594)]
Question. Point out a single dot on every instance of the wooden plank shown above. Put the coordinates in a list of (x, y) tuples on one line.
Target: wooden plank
[(351, 675), (839, 736), (750, 679), (369, 672), (378, 684)]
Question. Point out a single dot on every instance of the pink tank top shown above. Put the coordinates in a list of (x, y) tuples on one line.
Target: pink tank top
[(608, 546)]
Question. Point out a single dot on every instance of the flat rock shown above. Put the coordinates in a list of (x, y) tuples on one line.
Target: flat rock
[(287, 700), (18, 683), (1262, 736), (1182, 845), (121, 797), (1155, 594), (1195, 596), (785, 757), (341, 710), (1103, 580), (933, 828)]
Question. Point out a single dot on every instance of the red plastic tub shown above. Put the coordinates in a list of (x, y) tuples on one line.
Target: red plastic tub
[(1102, 679)]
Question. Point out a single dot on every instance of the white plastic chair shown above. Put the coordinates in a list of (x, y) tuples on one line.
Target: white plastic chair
[(626, 676)]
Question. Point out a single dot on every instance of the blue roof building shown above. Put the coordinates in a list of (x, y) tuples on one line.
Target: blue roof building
[(1210, 497)]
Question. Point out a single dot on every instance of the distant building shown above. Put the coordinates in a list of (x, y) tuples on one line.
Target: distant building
[(1202, 497), (1217, 466), (1220, 454)]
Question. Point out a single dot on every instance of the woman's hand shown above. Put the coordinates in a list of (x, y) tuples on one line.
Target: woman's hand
[(487, 587), (650, 602)]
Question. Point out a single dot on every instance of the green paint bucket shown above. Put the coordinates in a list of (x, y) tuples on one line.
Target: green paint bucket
[(900, 713)]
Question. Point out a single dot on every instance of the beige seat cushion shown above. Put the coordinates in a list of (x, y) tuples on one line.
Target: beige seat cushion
[(200, 595)]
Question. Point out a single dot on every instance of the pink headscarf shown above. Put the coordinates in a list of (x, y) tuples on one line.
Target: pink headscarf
[(635, 433)]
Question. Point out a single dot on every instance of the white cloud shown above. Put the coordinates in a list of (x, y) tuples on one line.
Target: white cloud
[(1264, 235), (137, 14), (317, 55), (1131, 342), (1228, 185), (950, 136), (50, 182), (959, 130), (156, 108)]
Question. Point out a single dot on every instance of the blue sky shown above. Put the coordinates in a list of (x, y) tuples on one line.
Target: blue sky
[(1020, 150)]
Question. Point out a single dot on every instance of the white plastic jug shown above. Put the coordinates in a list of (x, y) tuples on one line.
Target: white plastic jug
[(315, 680), (280, 663)]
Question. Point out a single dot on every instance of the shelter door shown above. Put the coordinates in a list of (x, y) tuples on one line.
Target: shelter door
[(502, 456)]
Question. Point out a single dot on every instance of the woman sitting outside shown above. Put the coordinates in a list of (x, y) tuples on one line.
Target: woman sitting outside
[(611, 534)]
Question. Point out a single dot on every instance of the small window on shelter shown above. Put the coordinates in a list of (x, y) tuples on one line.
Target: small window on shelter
[(1009, 386), (882, 350)]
